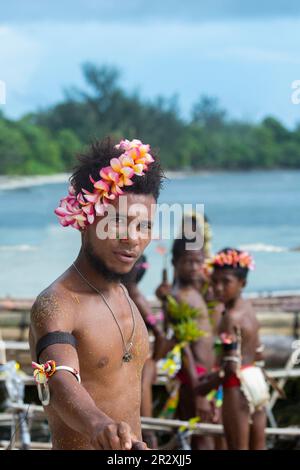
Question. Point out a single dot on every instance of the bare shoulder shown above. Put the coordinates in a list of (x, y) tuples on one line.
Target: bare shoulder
[(247, 312), (244, 318), (52, 310), (192, 297)]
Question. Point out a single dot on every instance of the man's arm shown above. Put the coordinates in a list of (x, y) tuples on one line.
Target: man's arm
[(68, 398)]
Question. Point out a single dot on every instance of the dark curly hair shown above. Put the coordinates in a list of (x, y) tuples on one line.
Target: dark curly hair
[(98, 156), (179, 247)]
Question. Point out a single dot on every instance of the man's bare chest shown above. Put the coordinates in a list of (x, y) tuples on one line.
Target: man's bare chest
[(104, 340)]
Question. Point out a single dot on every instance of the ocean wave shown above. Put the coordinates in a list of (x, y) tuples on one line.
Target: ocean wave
[(263, 247), (18, 248), (17, 182)]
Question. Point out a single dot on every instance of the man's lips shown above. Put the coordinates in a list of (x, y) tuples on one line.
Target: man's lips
[(195, 274), (125, 256), (220, 297)]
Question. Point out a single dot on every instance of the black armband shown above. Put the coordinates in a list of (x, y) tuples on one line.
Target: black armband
[(55, 337), (230, 346)]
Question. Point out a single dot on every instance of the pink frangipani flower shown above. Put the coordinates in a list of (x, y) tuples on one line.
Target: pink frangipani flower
[(70, 211)]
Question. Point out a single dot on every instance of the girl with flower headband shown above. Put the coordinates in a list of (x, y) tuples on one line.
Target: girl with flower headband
[(87, 338), (245, 392)]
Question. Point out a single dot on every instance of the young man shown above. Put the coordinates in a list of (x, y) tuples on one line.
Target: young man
[(239, 331), (187, 265), (85, 320)]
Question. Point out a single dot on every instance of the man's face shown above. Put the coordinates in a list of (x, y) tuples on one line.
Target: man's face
[(189, 266), (227, 286), (129, 229)]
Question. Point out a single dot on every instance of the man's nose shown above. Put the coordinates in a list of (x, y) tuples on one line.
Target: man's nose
[(218, 288), (196, 266), (129, 239)]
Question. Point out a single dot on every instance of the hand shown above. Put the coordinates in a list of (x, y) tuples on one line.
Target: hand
[(207, 382), (203, 410), (116, 436), (216, 413), (163, 290), (150, 439), (139, 445)]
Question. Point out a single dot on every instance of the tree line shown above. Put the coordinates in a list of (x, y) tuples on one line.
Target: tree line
[(47, 141)]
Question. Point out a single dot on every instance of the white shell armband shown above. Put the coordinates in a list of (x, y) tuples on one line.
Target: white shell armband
[(42, 373), (231, 359)]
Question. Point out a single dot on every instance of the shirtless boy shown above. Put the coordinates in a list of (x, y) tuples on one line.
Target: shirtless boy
[(100, 332), (239, 328), (187, 265)]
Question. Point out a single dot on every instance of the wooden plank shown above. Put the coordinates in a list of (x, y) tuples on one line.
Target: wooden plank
[(163, 379), (282, 373), (207, 428), (17, 345)]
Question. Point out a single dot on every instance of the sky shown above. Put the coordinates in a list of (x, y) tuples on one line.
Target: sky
[(247, 54)]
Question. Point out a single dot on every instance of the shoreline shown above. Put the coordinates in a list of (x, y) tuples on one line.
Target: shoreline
[(152, 298), (10, 182), (18, 182)]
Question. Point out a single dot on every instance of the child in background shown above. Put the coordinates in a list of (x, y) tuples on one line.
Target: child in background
[(187, 266), (245, 391)]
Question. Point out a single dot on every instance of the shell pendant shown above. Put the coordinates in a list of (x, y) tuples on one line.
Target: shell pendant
[(127, 356)]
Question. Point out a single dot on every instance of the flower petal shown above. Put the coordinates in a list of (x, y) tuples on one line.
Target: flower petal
[(138, 169), (127, 172), (115, 164), (99, 207), (126, 160), (101, 185)]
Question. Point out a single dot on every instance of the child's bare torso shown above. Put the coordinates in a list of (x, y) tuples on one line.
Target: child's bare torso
[(203, 348), (241, 317)]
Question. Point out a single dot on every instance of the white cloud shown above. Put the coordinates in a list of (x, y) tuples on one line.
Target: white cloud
[(39, 59)]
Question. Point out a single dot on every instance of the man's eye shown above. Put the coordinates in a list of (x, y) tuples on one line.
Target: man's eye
[(145, 225), (119, 221)]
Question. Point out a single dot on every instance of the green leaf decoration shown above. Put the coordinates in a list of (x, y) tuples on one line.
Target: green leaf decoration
[(180, 311), (183, 319)]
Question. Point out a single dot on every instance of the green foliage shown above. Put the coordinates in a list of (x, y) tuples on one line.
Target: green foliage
[(69, 146), (47, 141), (183, 319), (180, 311), (188, 331), (14, 149)]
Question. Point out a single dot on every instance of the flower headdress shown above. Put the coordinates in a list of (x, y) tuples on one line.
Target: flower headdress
[(232, 258), (80, 210)]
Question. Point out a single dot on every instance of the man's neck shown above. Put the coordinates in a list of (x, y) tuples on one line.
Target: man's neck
[(233, 302), (94, 277), (183, 284)]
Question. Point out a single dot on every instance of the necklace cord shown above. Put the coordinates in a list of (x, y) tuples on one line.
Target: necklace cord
[(126, 348)]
